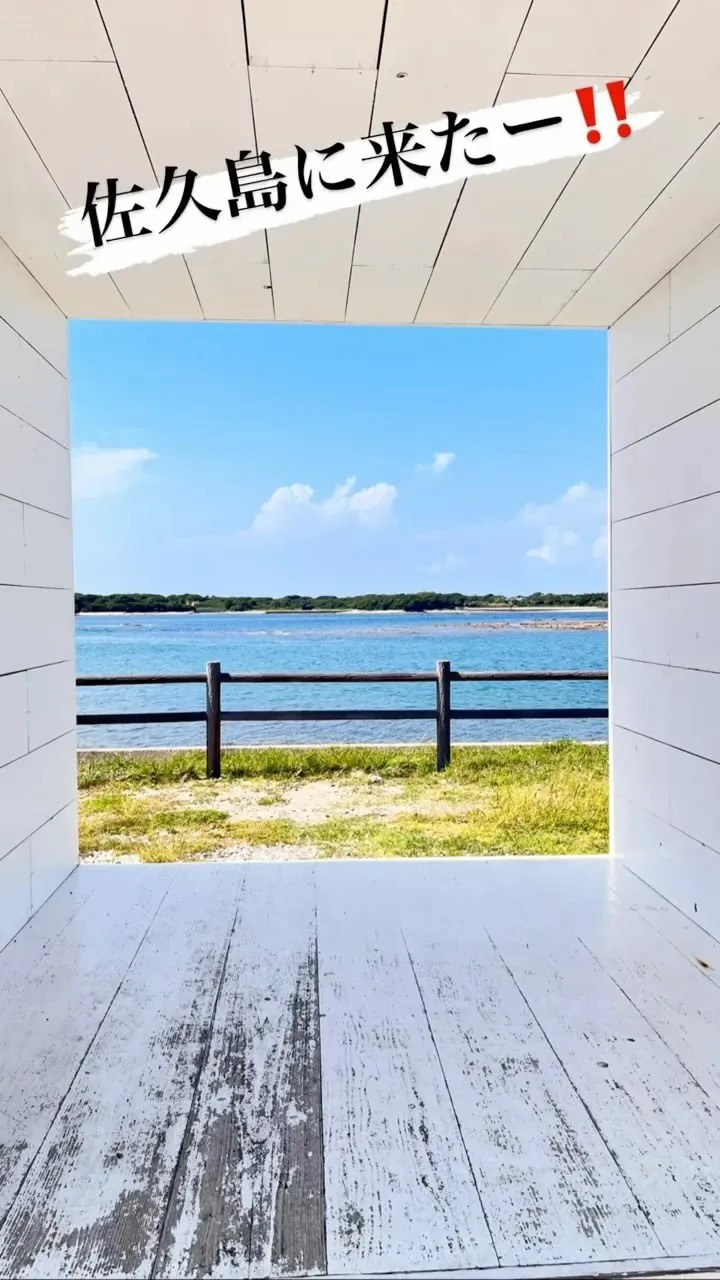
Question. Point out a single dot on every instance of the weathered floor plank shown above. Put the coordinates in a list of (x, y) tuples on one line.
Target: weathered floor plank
[(653, 1116), (26, 950), (697, 1267), (94, 1200), (680, 931), (73, 960), (248, 1193), (550, 1187), (399, 1189), (171, 1102)]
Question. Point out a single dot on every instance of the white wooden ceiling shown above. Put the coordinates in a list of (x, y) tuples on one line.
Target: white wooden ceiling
[(97, 88)]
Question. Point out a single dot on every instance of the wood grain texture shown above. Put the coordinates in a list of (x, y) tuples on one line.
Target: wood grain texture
[(248, 1191), (681, 932), (95, 1197), (399, 1188), (650, 1112), (653, 974), (27, 949), (491, 1069), (74, 960), (550, 1186)]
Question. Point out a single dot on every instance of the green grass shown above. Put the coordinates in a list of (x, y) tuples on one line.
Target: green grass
[(392, 763), (549, 798)]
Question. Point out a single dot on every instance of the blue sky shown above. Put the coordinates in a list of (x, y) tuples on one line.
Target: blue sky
[(266, 459)]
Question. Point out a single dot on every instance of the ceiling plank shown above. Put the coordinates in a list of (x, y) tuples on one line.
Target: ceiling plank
[(186, 72), (385, 295), (317, 33), (681, 71), (534, 297), (30, 211), (610, 191), (295, 106), (454, 63), (79, 120), (566, 37), (160, 290), (229, 287), (677, 221), (310, 264), (406, 231), (45, 31), (430, 66), (496, 218)]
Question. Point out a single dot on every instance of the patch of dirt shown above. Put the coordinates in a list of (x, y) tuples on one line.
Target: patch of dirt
[(260, 853), (305, 802), (236, 853), (104, 856)]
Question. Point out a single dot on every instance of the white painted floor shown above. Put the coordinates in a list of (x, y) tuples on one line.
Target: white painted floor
[(499, 1068)]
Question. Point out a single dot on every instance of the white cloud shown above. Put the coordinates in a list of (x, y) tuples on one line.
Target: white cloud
[(600, 546), (440, 462), (444, 565), (98, 472), (557, 541), (573, 528), (294, 508)]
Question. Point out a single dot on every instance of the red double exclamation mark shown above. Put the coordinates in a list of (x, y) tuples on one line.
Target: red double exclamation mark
[(616, 93)]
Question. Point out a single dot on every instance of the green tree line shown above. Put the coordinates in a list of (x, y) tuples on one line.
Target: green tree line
[(417, 602)]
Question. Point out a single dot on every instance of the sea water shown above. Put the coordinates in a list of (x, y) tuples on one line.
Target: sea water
[(350, 642)]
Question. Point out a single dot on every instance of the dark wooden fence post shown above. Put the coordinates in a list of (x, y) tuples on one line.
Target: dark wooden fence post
[(213, 728), (443, 715)]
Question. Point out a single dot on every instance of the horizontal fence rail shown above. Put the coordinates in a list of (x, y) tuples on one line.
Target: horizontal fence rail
[(443, 677)]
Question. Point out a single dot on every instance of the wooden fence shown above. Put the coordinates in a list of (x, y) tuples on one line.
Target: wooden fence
[(443, 713)]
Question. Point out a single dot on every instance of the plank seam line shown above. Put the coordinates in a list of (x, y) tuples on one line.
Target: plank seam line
[(659, 1272), (668, 506), (671, 904), (353, 264), (674, 746), (27, 269), (145, 146), (31, 834), (672, 825), (666, 425), (630, 229), (575, 1090), (13, 328), (23, 502), (323, 1189), (253, 122), (23, 671), (646, 1019), (665, 666), (451, 219), (452, 1100), (35, 586), (629, 906), (642, 297), (192, 1109), (669, 586), (83, 1059), (34, 427), (681, 334), (50, 942)]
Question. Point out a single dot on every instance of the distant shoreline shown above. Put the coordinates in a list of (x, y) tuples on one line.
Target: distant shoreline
[(363, 613)]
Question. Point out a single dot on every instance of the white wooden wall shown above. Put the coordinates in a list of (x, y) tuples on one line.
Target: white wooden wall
[(38, 829), (665, 577)]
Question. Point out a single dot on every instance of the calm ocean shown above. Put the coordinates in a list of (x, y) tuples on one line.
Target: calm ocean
[(335, 642)]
